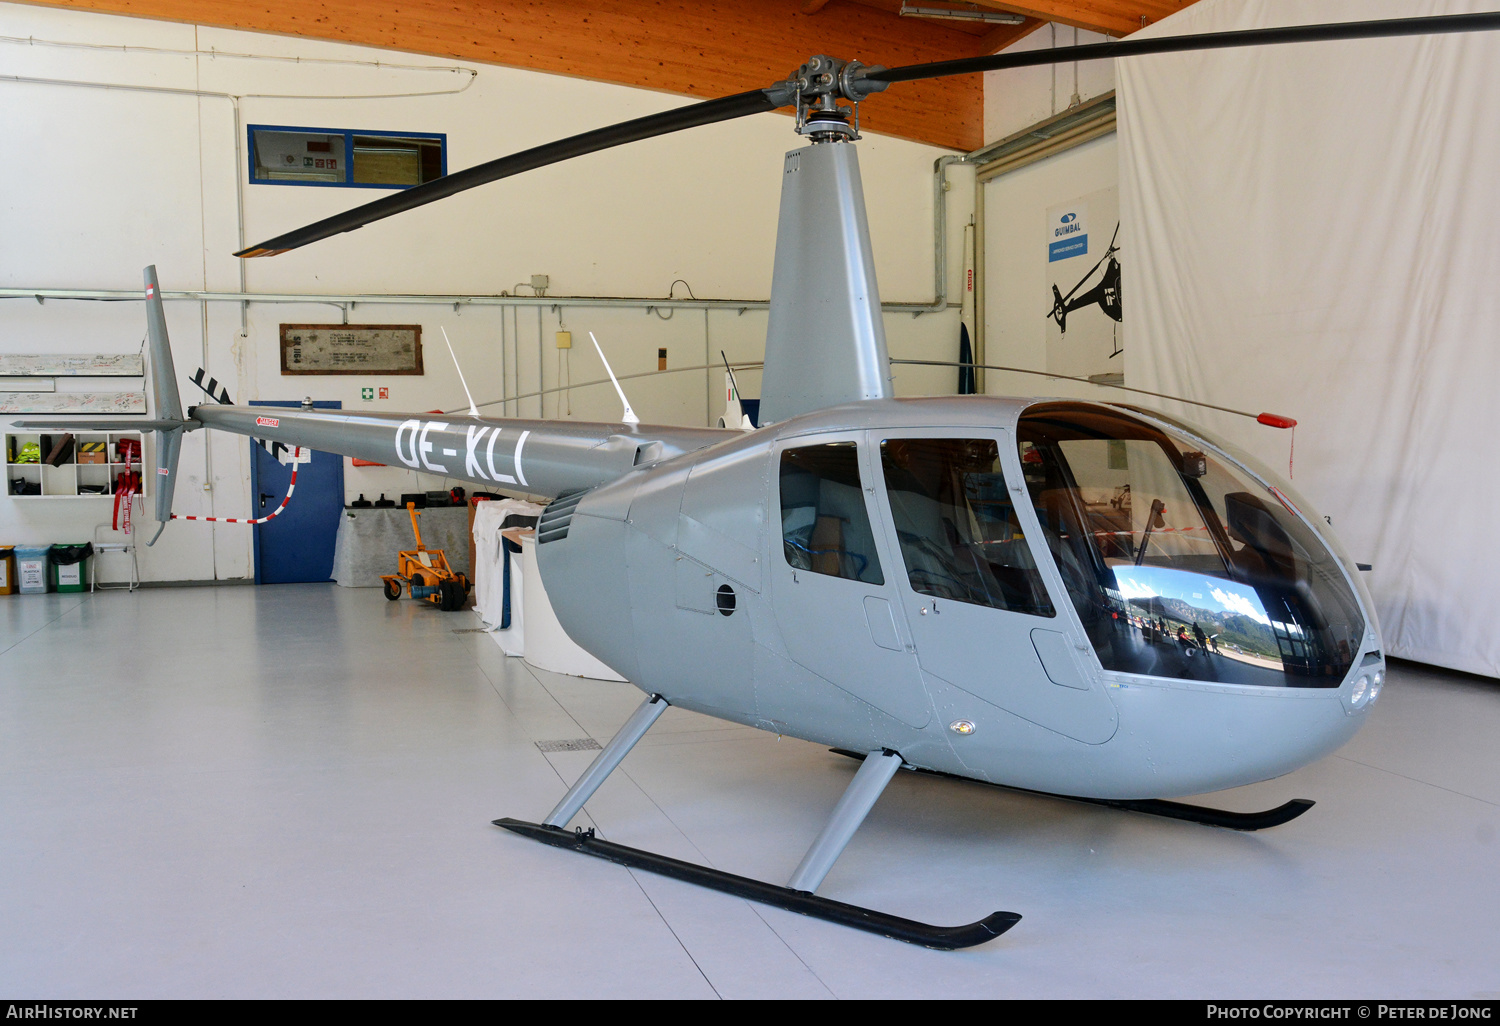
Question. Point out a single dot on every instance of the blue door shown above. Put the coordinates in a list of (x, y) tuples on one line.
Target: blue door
[(297, 546)]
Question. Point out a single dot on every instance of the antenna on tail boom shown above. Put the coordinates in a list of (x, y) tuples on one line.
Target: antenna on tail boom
[(473, 410), (629, 416)]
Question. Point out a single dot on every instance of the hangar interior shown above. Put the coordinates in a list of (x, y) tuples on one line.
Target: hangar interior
[(220, 786)]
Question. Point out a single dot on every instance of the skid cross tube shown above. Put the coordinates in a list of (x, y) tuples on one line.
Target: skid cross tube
[(857, 801), (605, 762)]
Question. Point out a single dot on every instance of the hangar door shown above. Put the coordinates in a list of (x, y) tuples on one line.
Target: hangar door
[(297, 546)]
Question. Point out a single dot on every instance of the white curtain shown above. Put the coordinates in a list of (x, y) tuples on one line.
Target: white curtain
[(1314, 230)]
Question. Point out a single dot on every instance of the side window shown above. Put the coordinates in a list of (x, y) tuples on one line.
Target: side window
[(825, 525), (960, 538)]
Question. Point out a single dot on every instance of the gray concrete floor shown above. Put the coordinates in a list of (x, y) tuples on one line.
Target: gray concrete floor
[(287, 792)]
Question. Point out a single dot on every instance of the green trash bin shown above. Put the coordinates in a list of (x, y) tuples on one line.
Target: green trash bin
[(68, 569)]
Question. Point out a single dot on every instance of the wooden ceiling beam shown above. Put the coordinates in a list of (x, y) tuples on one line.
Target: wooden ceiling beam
[(700, 48), (1109, 17), (999, 38)]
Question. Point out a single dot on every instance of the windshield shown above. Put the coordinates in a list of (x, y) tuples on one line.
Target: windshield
[(1180, 564)]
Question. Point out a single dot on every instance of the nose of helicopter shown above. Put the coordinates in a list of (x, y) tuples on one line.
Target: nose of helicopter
[(1175, 740)]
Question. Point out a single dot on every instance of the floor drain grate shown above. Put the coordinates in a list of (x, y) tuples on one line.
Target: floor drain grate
[(471, 630), (576, 744)]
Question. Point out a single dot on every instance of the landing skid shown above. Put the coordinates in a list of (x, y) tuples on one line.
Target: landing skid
[(799, 894), (1209, 817), (945, 938), (1156, 806)]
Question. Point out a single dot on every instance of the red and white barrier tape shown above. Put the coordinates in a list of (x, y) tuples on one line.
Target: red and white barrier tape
[(127, 486), (290, 488)]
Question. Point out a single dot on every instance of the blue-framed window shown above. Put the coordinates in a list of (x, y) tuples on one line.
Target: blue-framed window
[(345, 158)]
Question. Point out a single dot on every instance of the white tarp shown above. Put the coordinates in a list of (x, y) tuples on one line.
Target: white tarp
[(490, 558), (1314, 229)]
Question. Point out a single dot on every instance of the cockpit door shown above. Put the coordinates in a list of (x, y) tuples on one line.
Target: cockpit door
[(831, 579), (966, 574)]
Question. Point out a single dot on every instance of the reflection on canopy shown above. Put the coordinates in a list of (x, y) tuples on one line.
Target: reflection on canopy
[(1179, 564), (1193, 614)]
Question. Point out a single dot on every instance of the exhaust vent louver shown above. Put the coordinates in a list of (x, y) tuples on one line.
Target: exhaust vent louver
[(554, 521)]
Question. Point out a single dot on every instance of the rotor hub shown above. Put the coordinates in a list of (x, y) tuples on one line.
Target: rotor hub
[(816, 89)]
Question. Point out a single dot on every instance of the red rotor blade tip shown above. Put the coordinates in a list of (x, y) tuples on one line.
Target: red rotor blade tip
[(1275, 420)]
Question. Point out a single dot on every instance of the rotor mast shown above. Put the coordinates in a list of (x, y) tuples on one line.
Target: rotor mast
[(825, 340)]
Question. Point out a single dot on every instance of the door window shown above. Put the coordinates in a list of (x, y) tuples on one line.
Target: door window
[(959, 535), (825, 526)]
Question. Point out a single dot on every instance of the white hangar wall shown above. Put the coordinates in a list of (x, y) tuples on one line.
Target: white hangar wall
[(1020, 97), (1017, 275), (1313, 231), (100, 182)]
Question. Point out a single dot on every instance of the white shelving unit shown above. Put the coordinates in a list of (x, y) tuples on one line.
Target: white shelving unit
[(71, 480)]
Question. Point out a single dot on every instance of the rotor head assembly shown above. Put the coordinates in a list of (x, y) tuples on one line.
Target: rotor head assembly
[(816, 89)]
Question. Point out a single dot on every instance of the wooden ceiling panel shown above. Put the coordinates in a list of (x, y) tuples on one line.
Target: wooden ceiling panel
[(893, 7), (1111, 17), (701, 48)]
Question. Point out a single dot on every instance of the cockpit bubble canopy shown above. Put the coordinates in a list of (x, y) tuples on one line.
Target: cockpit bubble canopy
[(1180, 563)]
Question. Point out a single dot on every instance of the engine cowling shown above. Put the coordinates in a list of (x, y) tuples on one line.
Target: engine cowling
[(658, 574)]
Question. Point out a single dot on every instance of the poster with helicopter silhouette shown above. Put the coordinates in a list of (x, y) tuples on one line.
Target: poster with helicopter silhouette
[(1083, 273)]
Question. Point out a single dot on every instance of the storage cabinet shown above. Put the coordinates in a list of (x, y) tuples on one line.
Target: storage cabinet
[(71, 479)]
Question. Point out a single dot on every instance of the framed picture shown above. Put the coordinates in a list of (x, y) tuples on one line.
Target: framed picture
[(351, 349)]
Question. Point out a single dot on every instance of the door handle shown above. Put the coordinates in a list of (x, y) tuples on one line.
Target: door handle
[(263, 497)]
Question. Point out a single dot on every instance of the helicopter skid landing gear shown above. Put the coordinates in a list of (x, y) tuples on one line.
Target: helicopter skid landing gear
[(1157, 807), (942, 937), (1209, 817), (874, 773)]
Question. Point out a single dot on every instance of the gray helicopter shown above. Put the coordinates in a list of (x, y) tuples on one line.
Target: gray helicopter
[(1084, 599)]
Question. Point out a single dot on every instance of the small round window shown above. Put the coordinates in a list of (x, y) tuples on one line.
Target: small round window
[(725, 600)]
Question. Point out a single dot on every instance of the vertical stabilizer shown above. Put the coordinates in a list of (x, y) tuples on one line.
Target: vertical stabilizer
[(166, 403), (825, 343), (168, 406)]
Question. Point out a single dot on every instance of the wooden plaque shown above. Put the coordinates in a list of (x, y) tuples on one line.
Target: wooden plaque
[(93, 403), (351, 349), (66, 365)]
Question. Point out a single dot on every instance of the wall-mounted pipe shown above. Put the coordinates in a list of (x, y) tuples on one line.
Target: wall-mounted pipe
[(626, 302), (940, 227)]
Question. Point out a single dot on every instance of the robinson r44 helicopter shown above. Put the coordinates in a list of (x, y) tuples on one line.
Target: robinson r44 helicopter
[(1085, 599)]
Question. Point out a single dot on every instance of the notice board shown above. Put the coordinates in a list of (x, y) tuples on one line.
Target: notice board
[(351, 349)]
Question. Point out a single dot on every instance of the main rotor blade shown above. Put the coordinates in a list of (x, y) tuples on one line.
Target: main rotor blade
[(1206, 41), (708, 112)]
